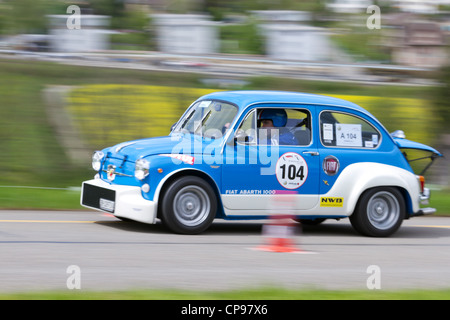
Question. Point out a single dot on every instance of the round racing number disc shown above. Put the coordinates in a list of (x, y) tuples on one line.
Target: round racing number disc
[(291, 170)]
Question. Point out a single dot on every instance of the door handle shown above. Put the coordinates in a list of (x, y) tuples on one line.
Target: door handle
[(313, 153)]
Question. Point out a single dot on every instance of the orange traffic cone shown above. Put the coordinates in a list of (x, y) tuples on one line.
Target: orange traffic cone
[(279, 235)]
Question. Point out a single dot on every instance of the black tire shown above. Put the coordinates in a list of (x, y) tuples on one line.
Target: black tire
[(379, 212), (189, 205)]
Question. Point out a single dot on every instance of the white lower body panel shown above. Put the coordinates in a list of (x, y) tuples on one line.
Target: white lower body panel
[(121, 201)]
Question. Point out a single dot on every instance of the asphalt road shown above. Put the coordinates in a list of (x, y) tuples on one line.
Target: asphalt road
[(89, 250)]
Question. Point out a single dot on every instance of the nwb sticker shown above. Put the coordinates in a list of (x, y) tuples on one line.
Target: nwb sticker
[(331, 202)]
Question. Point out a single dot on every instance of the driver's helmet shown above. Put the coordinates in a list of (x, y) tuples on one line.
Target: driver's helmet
[(278, 116)]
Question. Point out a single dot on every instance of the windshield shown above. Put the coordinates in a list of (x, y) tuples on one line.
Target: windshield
[(210, 119)]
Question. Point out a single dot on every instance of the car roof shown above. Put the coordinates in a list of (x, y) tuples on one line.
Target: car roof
[(245, 98)]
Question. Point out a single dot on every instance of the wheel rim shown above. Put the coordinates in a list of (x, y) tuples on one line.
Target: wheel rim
[(383, 210), (191, 206)]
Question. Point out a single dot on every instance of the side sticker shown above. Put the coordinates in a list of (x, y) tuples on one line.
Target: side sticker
[(331, 202), (181, 158), (330, 165), (291, 170)]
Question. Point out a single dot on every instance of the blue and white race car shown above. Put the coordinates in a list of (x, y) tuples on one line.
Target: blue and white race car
[(256, 154)]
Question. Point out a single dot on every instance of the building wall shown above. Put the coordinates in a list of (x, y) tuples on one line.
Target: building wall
[(190, 34), (91, 36)]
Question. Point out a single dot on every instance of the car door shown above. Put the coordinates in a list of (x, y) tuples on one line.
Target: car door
[(264, 172), (346, 138)]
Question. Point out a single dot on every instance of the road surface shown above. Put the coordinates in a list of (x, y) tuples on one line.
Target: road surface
[(45, 250)]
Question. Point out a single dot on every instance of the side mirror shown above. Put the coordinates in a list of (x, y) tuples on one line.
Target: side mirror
[(398, 134), (240, 136)]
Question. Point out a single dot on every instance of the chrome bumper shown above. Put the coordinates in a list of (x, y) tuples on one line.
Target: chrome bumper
[(423, 199), (425, 196)]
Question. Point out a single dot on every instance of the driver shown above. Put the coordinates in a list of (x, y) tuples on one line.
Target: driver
[(275, 118)]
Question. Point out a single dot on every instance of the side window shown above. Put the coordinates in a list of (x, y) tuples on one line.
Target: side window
[(278, 126), (246, 132), (345, 130)]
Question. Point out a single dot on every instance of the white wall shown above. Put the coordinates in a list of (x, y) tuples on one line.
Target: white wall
[(91, 36)]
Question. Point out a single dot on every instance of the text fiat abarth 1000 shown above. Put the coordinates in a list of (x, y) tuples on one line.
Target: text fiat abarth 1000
[(255, 154)]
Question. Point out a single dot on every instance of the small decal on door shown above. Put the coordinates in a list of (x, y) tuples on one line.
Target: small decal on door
[(331, 202)]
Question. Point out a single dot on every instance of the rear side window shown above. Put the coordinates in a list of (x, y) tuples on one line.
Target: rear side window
[(347, 131)]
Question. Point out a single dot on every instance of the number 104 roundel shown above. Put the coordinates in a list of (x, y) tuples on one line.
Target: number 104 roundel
[(292, 170), (238, 154)]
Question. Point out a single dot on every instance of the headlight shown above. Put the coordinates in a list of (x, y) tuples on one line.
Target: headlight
[(141, 169), (97, 158)]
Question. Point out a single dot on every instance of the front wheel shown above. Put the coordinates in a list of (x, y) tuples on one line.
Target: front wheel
[(189, 205), (379, 212)]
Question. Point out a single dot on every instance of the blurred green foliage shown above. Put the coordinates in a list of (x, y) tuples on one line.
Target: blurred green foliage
[(39, 198), (30, 16), (263, 293), (32, 153), (26, 16), (441, 99), (242, 39), (362, 44)]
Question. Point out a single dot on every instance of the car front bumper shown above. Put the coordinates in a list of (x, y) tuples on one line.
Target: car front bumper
[(121, 201)]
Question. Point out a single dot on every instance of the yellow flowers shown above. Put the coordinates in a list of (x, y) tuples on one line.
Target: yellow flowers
[(414, 116), (107, 114)]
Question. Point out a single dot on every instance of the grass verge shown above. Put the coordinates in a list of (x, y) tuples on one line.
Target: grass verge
[(250, 294), (37, 198)]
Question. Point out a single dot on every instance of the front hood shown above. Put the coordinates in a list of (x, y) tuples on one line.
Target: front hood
[(174, 144), (143, 148), (408, 144)]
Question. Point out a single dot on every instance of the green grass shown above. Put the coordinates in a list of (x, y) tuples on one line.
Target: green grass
[(250, 294), (440, 199), (37, 198)]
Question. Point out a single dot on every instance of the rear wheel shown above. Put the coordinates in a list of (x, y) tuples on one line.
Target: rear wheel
[(189, 205), (379, 212)]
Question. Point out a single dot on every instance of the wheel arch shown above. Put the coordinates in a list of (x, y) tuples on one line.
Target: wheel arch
[(373, 175), (162, 187), (408, 201), (379, 211), (404, 192)]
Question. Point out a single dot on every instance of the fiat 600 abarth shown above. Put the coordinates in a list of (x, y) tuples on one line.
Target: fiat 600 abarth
[(256, 154)]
